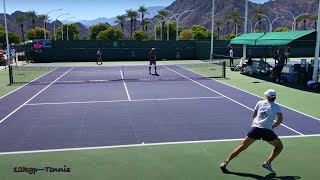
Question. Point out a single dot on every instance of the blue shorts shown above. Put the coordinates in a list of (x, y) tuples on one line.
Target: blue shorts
[(261, 133)]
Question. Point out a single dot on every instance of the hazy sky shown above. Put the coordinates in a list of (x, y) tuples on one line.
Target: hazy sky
[(84, 9)]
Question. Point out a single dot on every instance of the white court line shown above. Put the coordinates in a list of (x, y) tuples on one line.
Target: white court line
[(145, 144), (255, 95), (26, 84), (116, 101), (125, 86), (34, 96), (229, 98)]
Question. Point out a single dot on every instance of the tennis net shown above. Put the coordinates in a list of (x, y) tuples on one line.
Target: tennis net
[(78, 74)]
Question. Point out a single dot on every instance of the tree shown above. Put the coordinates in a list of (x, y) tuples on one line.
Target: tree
[(172, 29), (304, 19), (218, 24), (186, 34), (314, 18), (73, 31), (143, 10), (257, 11), (13, 37), (32, 15), (21, 20), (37, 33), (234, 15), (140, 35), (282, 29), (144, 24), (132, 15), (44, 18), (230, 36), (121, 19), (96, 29), (162, 15), (200, 32), (135, 17), (111, 33)]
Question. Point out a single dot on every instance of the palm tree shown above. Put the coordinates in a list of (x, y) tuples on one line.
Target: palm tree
[(314, 18), (143, 11), (218, 24), (304, 19), (161, 15), (257, 11), (146, 22), (44, 18), (32, 15), (234, 15), (121, 19), (21, 20), (131, 14), (136, 15), (227, 18)]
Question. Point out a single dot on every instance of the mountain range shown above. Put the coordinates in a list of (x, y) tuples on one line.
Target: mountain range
[(201, 14), (151, 10)]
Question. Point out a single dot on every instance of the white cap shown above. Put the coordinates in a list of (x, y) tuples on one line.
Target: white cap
[(270, 93), (153, 48)]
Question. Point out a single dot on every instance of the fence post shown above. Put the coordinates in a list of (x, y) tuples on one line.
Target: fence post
[(224, 69), (10, 75)]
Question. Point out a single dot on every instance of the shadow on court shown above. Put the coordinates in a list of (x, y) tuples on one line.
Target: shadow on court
[(271, 176)]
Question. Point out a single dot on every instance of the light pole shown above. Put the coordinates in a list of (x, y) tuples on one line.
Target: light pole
[(173, 16), (168, 28), (161, 24), (235, 24), (268, 20), (155, 29), (257, 23), (316, 55), (274, 21), (295, 19), (292, 26), (212, 31), (67, 28), (177, 23), (54, 25), (251, 28), (45, 21), (245, 30), (77, 20), (6, 29)]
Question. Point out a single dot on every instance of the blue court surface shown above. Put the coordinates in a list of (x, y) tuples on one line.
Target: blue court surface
[(76, 115)]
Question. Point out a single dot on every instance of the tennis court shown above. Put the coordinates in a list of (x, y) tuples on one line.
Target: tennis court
[(74, 108)]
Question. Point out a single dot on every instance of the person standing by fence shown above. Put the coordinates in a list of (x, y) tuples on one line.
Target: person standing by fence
[(99, 56), (231, 56)]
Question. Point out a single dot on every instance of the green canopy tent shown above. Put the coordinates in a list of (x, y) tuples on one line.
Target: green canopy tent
[(247, 39), (306, 37)]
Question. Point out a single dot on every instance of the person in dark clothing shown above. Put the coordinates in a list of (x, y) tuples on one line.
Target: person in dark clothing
[(249, 63), (287, 53), (280, 64), (153, 60)]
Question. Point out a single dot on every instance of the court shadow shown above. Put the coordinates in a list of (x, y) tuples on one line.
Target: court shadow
[(271, 176)]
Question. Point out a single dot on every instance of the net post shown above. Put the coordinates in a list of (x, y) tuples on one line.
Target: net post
[(123, 73), (10, 75), (224, 69)]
